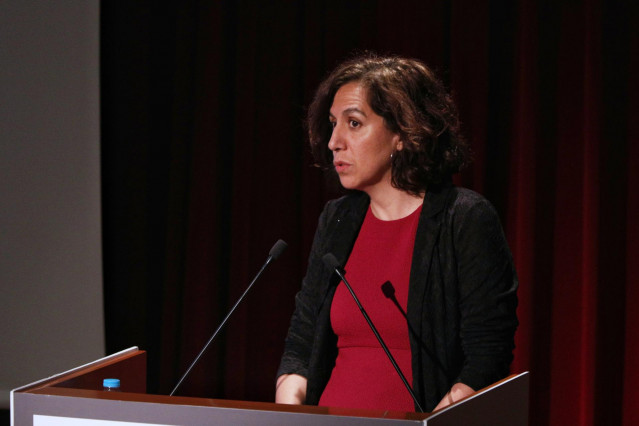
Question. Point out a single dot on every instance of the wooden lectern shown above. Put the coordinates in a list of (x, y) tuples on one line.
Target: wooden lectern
[(76, 397)]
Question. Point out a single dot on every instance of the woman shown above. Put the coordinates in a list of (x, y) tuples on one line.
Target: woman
[(390, 131)]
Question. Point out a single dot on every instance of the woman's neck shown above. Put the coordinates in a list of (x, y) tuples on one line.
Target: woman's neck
[(393, 204)]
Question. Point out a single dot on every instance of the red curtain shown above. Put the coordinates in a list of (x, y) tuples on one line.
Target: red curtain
[(205, 166)]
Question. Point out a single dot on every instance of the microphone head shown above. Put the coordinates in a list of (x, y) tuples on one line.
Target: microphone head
[(330, 261), (388, 289), (278, 249)]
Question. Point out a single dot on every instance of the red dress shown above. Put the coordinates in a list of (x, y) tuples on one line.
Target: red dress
[(363, 377)]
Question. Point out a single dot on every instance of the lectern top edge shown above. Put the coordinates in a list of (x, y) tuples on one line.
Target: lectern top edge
[(76, 370)]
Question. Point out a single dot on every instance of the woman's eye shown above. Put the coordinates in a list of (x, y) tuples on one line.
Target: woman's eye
[(353, 123), (332, 124)]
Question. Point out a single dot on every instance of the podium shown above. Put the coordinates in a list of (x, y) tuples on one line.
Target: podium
[(76, 397)]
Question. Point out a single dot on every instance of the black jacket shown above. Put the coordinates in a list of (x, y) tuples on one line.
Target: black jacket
[(461, 302)]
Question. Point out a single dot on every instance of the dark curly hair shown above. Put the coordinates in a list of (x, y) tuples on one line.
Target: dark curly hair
[(413, 103)]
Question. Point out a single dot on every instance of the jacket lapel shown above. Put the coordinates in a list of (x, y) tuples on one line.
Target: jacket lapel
[(346, 225), (425, 240)]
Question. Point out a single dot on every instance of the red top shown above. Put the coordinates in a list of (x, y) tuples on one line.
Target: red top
[(363, 376)]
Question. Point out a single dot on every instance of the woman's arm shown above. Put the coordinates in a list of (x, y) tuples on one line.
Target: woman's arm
[(290, 389), (487, 295), (293, 372)]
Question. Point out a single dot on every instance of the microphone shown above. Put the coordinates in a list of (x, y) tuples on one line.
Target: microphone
[(330, 261), (389, 291), (274, 254)]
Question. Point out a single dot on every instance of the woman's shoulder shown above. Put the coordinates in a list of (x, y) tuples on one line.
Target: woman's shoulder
[(348, 207), (470, 209), (463, 204), (464, 198), (350, 201)]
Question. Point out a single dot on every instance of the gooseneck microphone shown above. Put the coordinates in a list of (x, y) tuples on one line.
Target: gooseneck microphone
[(389, 292), (330, 261), (274, 254)]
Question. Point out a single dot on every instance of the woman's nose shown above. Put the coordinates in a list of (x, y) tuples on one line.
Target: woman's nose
[(335, 142)]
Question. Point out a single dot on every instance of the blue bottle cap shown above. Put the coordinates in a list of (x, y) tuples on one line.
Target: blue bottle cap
[(111, 383)]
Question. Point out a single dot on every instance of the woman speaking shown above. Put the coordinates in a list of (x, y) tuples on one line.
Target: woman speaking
[(390, 131)]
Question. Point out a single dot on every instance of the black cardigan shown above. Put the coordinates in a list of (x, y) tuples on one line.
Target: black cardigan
[(461, 302)]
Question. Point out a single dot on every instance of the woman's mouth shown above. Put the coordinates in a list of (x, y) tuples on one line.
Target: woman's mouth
[(340, 166)]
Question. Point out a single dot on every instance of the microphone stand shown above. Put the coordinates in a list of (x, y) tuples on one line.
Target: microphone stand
[(275, 252)]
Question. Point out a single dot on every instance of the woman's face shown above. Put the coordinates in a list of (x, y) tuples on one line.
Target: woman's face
[(361, 143)]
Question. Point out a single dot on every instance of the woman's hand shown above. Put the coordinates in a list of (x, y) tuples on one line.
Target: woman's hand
[(290, 389), (457, 392)]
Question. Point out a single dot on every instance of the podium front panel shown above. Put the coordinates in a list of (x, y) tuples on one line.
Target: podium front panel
[(95, 411), (76, 397)]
